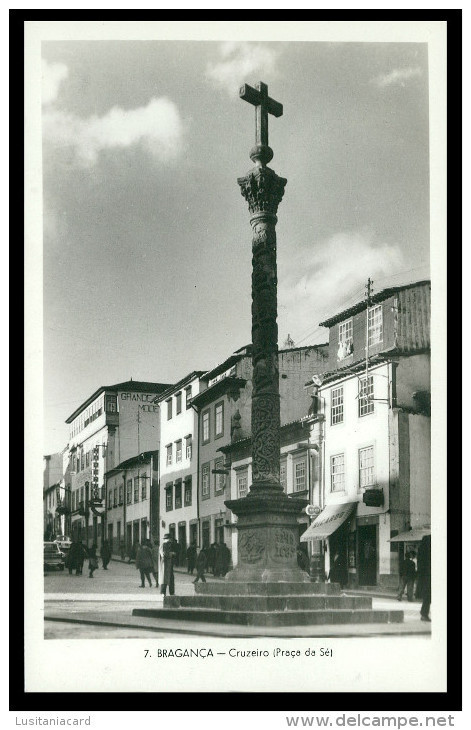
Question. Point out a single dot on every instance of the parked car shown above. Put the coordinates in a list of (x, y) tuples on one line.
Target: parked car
[(53, 556)]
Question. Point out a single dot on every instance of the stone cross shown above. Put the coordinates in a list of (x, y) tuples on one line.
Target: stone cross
[(264, 105)]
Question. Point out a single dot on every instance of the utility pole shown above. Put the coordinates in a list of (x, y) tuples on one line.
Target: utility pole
[(369, 292)]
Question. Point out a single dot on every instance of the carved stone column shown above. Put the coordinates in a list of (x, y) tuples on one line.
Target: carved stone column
[(263, 191), (267, 519)]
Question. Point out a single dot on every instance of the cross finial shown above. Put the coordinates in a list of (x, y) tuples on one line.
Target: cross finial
[(264, 105)]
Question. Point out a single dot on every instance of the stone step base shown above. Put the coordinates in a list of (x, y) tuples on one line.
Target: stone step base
[(269, 603), (281, 618), (267, 589)]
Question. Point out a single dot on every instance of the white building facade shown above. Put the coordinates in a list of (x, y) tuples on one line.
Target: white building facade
[(179, 463)]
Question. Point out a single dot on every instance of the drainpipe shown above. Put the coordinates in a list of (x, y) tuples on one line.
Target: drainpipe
[(125, 498)]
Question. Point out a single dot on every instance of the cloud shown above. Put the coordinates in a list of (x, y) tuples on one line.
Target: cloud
[(52, 76), (330, 278), (397, 77), (241, 62), (157, 126)]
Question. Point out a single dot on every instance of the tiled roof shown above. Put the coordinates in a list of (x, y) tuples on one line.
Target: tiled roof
[(376, 298), (144, 456), (181, 384)]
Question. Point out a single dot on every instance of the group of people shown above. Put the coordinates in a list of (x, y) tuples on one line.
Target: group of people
[(217, 559), (409, 574), (78, 553), (152, 561)]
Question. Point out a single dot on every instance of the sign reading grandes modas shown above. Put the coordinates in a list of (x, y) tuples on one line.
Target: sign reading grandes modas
[(147, 401)]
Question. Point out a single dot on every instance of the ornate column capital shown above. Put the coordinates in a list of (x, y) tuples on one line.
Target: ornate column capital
[(263, 190)]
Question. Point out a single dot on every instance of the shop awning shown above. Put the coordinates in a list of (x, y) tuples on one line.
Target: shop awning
[(328, 521), (414, 535)]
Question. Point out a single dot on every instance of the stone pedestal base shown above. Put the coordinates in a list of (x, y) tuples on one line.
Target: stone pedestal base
[(268, 536), (270, 604)]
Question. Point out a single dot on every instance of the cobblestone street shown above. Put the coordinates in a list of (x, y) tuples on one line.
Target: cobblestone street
[(119, 579)]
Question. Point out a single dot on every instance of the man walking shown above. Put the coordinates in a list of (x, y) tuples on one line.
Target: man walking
[(424, 573), (407, 577), (191, 557), (144, 562), (105, 554), (167, 555)]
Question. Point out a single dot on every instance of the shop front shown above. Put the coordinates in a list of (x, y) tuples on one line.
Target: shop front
[(332, 527)]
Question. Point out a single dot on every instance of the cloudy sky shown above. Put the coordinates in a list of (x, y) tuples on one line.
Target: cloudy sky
[(147, 242)]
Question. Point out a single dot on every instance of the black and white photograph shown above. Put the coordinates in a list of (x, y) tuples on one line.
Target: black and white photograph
[(235, 253)]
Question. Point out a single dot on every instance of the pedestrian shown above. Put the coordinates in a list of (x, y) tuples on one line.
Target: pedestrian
[(92, 560), (225, 559), (191, 557), (154, 548), (218, 560), (201, 566), (167, 556), (122, 550), (407, 577), (106, 554), (211, 557), (82, 553), (144, 563), (338, 572), (302, 558), (132, 550), (424, 574), (72, 556)]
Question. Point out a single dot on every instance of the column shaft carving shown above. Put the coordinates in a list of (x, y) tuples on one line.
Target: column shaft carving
[(263, 190)]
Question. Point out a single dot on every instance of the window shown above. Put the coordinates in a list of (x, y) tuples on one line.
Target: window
[(365, 400), (87, 459), (300, 476), (283, 476), (219, 479), (205, 426), (169, 409), (188, 397), (115, 497), (129, 491), (169, 496), (336, 410), (366, 463), (121, 490), (178, 495), (375, 325), (188, 492), (345, 347), (178, 399), (337, 473), (242, 484), (143, 488), (110, 404), (188, 447), (219, 419), (205, 481), (110, 498), (178, 452), (169, 454), (136, 489)]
